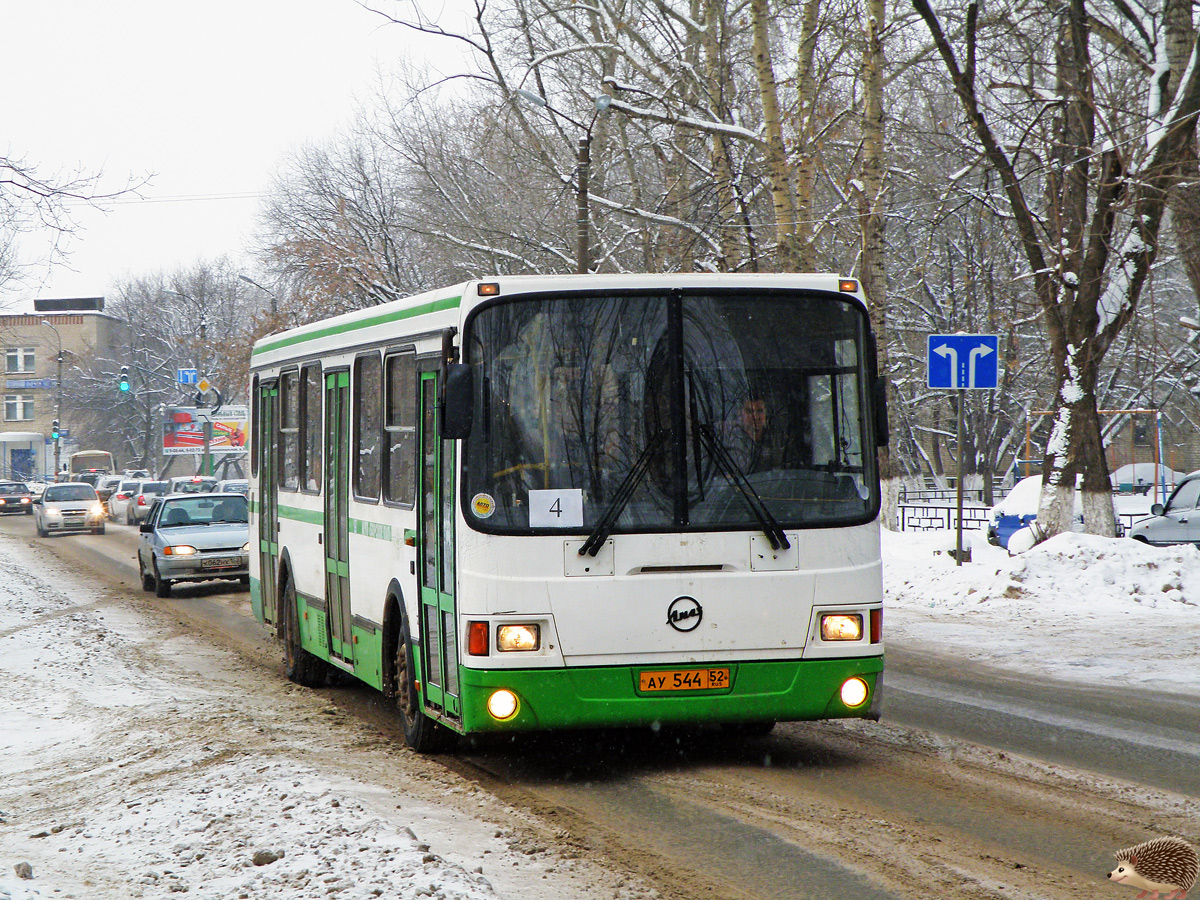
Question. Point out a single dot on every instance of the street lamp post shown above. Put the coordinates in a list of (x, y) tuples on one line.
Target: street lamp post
[(57, 398), (267, 291), (583, 165)]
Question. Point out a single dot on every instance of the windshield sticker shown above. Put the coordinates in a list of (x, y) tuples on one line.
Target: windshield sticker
[(483, 505), (561, 508)]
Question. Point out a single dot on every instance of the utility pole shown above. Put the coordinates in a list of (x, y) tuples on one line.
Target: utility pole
[(58, 392)]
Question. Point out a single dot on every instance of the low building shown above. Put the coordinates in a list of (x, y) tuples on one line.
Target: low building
[(41, 349)]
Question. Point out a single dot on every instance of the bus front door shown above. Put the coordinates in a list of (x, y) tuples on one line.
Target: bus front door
[(435, 492), (337, 515), (266, 443)]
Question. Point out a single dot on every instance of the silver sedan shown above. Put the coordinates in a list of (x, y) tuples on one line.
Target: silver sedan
[(194, 537)]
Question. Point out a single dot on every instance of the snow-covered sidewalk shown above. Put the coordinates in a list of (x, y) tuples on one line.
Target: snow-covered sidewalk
[(137, 763)]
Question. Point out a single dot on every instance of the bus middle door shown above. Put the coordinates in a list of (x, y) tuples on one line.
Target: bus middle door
[(266, 445), (435, 492), (336, 537)]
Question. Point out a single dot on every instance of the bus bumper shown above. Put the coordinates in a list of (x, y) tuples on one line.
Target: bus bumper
[(604, 697)]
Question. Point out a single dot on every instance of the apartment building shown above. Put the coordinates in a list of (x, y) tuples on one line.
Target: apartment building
[(41, 351)]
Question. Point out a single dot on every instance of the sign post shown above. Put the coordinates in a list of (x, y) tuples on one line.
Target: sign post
[(961, 362)]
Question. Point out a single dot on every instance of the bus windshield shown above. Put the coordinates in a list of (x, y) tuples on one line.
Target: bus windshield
[(668, 412)]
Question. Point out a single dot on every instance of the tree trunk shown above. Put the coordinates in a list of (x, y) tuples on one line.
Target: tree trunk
[(787, 258), (871, 224)]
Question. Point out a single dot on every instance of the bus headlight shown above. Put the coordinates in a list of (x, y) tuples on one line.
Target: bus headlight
[(502, 704), (841, 627), (854, 691), (518, 637)]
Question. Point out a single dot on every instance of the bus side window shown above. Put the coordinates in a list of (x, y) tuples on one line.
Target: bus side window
[(400, 428), (289, 431), (368, 431), (310, 424)]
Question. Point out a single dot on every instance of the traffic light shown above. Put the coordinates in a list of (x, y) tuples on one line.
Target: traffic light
[(54, 430), (124, 382)]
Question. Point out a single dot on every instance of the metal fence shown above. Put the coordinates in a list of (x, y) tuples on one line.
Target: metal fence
[(943, 516)]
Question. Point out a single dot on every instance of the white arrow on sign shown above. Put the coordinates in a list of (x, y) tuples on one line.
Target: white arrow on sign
[(947, 351), (976, 353)]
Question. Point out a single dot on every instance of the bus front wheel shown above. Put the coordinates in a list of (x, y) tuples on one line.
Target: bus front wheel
[(421, 733)]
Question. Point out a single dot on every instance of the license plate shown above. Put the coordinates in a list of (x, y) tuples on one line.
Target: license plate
[(683, 680), (220, 562)]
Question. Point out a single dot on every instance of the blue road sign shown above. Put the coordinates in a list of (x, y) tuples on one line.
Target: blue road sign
[(963, 361), (187, 376)]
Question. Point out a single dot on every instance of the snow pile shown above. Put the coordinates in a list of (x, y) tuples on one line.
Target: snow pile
[(138, 763), (1076, 606), (252, 828)]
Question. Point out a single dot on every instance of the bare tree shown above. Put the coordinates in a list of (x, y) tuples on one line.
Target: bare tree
[(31, 200), (1091, 238)]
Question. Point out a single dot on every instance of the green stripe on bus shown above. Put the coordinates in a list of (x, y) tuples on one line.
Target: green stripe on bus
[(295, 513), (377, 530), (391, 316), (371, 529)]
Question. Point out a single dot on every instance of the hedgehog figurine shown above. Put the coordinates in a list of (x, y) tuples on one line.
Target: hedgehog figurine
[(1166, 864)]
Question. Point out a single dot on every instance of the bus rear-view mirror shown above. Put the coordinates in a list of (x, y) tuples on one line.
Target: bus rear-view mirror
[(457, 394)]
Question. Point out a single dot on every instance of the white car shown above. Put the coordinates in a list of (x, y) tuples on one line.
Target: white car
[(132, 500), (69, 506), (233, 486)]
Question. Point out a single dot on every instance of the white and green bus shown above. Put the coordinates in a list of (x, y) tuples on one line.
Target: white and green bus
[(536, 503)]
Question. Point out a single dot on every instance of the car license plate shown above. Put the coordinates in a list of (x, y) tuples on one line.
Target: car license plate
[(220, 562), (683, 680)]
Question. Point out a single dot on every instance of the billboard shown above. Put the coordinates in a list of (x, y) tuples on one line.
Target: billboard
[(183, 430)]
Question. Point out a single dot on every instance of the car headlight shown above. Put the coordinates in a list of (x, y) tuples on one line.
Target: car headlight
[(246, 547), (53, 513), (841, 627), (518, 637), (97, 510), (179, 550)]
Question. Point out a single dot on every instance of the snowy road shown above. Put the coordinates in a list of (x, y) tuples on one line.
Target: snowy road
[(143, 755)]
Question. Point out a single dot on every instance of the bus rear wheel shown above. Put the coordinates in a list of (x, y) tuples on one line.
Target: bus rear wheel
[(421, 733), (301, 666)]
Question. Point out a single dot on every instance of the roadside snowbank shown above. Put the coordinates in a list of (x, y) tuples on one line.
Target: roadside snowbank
[(139, 763), (1075, 607)]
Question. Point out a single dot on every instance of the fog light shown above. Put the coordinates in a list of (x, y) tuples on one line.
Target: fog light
[(854, 692), (518, 637), (502, 704), (841, 627)]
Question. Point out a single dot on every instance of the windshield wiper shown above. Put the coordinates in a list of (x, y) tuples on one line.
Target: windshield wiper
[(770, 526), (621, 498)]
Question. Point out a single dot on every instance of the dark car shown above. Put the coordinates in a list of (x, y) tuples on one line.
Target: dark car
[(15, 497), (106, 486)]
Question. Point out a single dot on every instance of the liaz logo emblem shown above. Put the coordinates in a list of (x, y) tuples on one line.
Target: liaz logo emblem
[(684, 614)]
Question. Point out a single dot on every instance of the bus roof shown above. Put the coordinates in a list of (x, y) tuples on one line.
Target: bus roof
[(443, 308)]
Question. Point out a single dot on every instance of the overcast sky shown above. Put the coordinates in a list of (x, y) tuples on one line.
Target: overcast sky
[(204, 99)]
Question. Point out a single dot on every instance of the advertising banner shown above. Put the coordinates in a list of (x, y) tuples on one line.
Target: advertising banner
[(183, 431)]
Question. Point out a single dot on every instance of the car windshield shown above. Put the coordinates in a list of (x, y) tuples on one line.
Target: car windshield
[(61, 492), (9, 488), (154, 487), (653, 412), (204, 510)]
